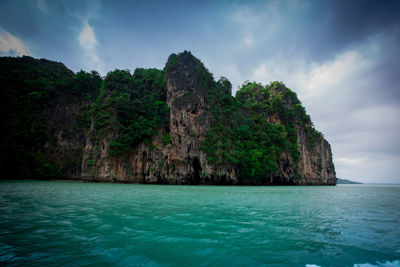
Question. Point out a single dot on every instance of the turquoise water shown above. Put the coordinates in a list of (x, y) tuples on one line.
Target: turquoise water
[(74, 224)]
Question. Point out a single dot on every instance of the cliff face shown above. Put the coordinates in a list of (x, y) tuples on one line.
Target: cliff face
[(179, 161), (43, 107), (315, 164), (64, 148), (183, 134)]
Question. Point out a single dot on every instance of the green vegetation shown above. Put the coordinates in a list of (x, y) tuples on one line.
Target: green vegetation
[(166, 139), (43, 101), (131, 107), (160, 164), (244, 133), (90, 163), (30, 92)]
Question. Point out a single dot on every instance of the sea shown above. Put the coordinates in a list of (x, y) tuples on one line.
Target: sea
[(62, 223)]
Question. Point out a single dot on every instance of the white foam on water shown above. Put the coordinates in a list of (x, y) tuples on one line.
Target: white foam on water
[(377, 264), (380, 264)]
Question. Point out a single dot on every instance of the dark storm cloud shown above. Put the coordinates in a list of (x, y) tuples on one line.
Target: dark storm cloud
[(355, 20), (319, 29), (334, 25)]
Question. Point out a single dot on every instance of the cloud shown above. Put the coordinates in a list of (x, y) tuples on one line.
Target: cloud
[(362, 163), (10, 44), (248, 41), (42, 6), (86, 37), (251, 23), (88, 43)]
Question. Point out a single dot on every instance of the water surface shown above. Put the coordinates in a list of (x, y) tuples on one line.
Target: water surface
[(74, 224)]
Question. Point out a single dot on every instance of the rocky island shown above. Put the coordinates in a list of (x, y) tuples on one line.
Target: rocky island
[(172, 126)]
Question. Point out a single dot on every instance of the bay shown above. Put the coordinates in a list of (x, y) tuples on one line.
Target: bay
[(75, 224)]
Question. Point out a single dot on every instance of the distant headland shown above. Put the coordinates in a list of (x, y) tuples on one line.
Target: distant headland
[(345, 181)]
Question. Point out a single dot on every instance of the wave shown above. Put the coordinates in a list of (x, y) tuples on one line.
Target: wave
[(380, 264), (395, 263)]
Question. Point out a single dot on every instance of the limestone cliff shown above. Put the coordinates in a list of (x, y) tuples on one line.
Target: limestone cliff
[(180, 126), (315, 164), (181, 161)]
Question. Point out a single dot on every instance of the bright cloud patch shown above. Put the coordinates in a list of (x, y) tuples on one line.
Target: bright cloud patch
[(10, 44), (42, 6), (86, 37), (88, 42)]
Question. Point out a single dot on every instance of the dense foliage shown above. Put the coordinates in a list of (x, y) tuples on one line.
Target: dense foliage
[(30, 91), (43, 101), (130, 106), (244, 134)]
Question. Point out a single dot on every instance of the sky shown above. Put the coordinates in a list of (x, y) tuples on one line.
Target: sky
[(342, 58)]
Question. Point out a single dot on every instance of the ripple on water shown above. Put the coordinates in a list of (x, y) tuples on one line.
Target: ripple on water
[(49, 223)]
